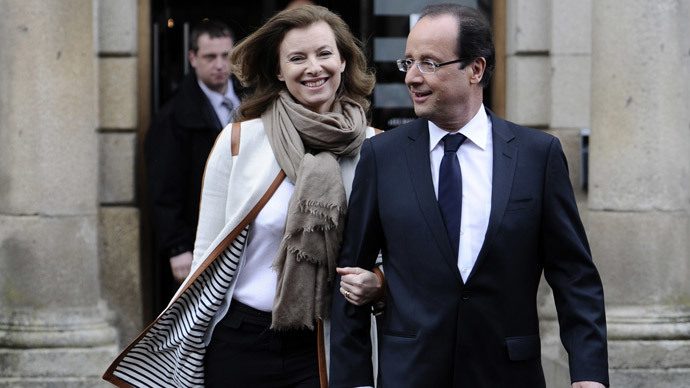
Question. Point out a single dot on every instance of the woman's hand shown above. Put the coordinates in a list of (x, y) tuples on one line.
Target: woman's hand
[(359, 286)]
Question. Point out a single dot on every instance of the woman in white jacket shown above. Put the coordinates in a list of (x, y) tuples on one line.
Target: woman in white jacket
[(272, 214)]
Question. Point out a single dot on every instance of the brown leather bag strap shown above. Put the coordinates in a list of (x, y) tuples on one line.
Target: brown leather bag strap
[(235, 138), (321, 347)]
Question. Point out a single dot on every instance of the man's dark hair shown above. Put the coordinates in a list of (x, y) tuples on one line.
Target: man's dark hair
[(213, 28), (475, 38)]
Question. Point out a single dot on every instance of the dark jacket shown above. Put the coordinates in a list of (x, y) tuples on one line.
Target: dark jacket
[(437, 330), (177, 145)]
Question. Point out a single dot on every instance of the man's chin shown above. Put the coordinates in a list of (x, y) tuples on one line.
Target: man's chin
[(218, 86), (421, 112)]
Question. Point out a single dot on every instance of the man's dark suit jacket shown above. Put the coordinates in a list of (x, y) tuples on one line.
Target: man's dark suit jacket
[(177, 145), (438, 331)]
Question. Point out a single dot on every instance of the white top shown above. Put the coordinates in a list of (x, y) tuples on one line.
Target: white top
[(222, 112), (257, 282), (236, 183), (476, 162)]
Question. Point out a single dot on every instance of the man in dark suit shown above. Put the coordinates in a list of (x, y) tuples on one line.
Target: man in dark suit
[(466, 232), (177, 145)]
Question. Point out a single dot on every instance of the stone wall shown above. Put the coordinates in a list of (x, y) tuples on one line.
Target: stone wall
[(53, 327), (620, 70), (119, 214), (639, 198)]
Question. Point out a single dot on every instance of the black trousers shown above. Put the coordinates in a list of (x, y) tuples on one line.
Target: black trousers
[(245, 352)]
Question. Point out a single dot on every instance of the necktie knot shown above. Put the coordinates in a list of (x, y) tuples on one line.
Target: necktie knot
[(230, 106), (451, 143), (228, 103)]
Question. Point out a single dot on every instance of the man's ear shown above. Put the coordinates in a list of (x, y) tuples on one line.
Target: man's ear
[(192, 58), (478, 65)]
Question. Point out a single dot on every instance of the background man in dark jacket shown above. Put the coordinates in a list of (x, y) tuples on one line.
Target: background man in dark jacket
[(178, 142)]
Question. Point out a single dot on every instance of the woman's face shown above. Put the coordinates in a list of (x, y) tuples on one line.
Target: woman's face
[(310, 66)]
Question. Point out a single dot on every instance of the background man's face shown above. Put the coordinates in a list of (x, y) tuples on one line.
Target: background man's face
[(211, 62)]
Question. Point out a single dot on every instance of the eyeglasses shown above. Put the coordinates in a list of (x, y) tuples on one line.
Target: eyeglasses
[(426, 66)]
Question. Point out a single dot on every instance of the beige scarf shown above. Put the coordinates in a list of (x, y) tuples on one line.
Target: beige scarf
[(306, 145)]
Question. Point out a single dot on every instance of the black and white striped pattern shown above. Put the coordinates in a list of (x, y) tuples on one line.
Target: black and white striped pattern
[(171, 353)]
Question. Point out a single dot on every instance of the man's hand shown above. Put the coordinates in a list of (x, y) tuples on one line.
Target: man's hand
[(359, 286), (180, 266), (587, 384)]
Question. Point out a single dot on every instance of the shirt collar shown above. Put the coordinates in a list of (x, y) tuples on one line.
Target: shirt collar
[(215, 97), (476, 130)]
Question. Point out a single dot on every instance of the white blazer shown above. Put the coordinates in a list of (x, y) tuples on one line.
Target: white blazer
[(240, 173)]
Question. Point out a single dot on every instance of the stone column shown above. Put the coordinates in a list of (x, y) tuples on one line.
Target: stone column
[(52, 326), (639, 190)]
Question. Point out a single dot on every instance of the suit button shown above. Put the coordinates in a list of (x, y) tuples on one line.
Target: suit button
[(465, 295)]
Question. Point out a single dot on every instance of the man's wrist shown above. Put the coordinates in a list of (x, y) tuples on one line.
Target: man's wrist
[(178, 249), (379, 303)]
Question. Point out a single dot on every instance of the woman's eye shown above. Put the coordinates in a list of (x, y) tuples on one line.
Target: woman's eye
[(296, 59), (326, 53)]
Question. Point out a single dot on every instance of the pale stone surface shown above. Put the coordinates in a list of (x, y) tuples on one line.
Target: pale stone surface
[(553, 355), (94, 382), (117, 171), (572, 148), (527, 90), (117, 26), (53, 331), (639, 116), (556, 370), (120, 269), (38, 367), (528, 26), (670, 322), (47, 117), (55, 327), (640, 187), (117, 90), (571, 31), (646, 378), (570, 91), (48, 260), (641, 256), (650, 354)]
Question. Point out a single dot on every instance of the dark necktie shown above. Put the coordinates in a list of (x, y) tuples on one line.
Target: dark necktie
[(450, 188)]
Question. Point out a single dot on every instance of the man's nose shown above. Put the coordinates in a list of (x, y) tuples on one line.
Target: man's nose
[(219, 62), (413, 75)]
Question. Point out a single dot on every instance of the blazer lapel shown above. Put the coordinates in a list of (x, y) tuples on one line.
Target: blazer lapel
[(505, 162), (417, 154)]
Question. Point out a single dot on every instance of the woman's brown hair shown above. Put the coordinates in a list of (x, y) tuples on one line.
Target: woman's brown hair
[(255, 59)]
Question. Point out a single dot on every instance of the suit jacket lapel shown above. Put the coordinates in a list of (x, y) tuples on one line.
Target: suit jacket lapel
[(417, 154), (505, 162)]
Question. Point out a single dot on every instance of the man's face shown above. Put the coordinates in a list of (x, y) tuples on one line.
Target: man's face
[(441, 97), (211, 62)]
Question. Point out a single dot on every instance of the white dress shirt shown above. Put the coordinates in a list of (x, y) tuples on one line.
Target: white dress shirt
[(256, 283), (222, 112), (476, 162)]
